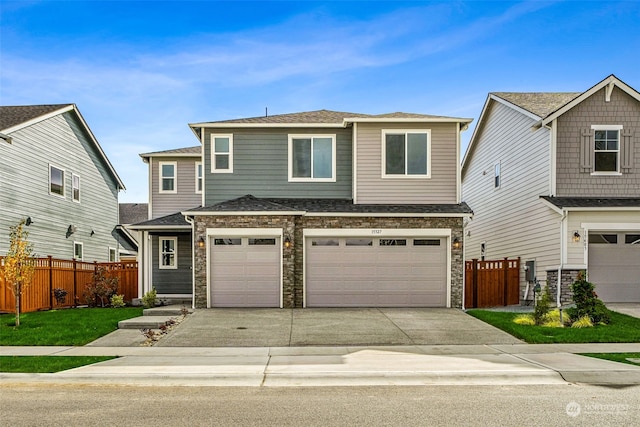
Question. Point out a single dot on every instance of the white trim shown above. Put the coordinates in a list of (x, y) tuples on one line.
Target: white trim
[(406, 175), (174, 239), (73, 196), (245, 213), (193, 260), (312, 137), (162, 154), (81, 245), (160, 227), (618, 152), (376, 233), (608, 226), (199, 163), (599, 209), (407, 120), (315, 214), (64, 178), (150, 187), (278, 233), (607, 127), (174, 177), (497, 173), (354, 163), (228, 125), (204, 165), (553, 173), (212, 148), (458, 166), (109, 254)]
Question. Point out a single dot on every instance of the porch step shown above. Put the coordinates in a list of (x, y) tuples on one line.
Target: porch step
[(168, 310), (144, 322)]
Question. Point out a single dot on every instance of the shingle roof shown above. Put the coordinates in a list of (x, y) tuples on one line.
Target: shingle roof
[(539, 103), (11, 116), (593, 202), (173, 220), (325, 117), (196, 151), (250, 203), (131, 213)]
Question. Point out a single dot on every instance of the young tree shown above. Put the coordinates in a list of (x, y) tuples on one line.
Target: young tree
[(18, 267)]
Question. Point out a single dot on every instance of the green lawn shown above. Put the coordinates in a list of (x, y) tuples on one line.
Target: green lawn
[(616, 357), (77, 326), (622, 328), (46, 364)]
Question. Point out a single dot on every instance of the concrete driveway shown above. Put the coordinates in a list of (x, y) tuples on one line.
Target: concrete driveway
[(331, 327)]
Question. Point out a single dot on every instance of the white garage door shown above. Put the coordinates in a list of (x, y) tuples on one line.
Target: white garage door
[(245, 272), (376, 272), (614, 265)]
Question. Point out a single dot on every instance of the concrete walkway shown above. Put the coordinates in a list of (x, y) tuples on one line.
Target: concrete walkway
[(337, 366)]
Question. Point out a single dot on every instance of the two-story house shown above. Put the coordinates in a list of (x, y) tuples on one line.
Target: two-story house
[(322, 209), (554, 178), (165, 240), (56, 177)]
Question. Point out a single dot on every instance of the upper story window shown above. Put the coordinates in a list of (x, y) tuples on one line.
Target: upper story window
[(497, 175), (606, 152), (113, 255), (198, 177), (77, 251), (312, 158), (406, 153), (168, 252), (222, 153), (168, 177), (56, 180), (75, 185)]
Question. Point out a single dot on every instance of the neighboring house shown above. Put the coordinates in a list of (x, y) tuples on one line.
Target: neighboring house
[(55, 175), (320, 209), (554, 178), (130, 213), (165, 249)]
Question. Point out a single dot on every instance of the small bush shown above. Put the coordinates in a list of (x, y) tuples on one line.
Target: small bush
[(542, 307), (101, 289), (587, 301), (149, 299), (552, 323), (601, 313), (117, 301), (60, 295), (524, 319), (583, 322)]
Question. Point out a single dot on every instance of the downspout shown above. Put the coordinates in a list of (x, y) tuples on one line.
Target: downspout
[(193, 257), (562, 250)]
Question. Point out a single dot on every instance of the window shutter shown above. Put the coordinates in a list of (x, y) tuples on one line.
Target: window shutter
[(626, 151), (586, 150)]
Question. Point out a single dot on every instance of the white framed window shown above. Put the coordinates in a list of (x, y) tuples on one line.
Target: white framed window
[(168, 177), (168, 252), (113, 255), (606, 149), (75, 187), (406, 153), (199, 177), (78, 251), (56, 180), (312, 158), (222, 153), (497, 177)]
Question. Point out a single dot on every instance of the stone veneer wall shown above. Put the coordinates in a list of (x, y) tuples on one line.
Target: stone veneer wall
[(567, 277), (293, 257)]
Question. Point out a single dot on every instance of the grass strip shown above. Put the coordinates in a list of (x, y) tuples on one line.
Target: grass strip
[(46, 364), (622, 328), (616, 357), (74, 326)]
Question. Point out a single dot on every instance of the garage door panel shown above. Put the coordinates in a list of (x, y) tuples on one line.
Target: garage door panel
[(377, 275), (614, 269)]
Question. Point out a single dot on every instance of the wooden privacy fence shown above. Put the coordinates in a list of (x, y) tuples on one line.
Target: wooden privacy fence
[(72, 276), (492, 283)]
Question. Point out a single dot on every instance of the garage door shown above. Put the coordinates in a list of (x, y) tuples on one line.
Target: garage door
[(245, 272), (376, 272), (614, 266)]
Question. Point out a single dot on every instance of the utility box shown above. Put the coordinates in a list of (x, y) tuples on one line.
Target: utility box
[(530, 271)]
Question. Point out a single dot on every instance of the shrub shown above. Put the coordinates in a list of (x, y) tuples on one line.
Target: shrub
[(60, 295), (101, 288), (542, 306), (552, 323), (524, 319), (583, 322), (117, 301), (149, 299), (587, 301)]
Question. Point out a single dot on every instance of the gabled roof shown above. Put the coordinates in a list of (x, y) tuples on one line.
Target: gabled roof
[(14, 118), (132, 213), (173, 221), (341, 207), (544, 107), (324, 118), (178, 152)]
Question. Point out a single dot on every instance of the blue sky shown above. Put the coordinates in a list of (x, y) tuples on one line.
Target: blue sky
[(141, 71)]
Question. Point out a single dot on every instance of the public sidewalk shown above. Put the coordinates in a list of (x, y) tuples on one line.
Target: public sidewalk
[(499, 364)]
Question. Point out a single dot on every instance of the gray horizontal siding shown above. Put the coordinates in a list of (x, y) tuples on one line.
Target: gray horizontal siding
[(260, 166), (173, 281), (440, 188), (186, 197), (24, 190)]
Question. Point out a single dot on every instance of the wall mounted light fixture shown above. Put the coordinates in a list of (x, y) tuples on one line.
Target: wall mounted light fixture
[(576, 236), (28, 221), (201, 242), (92, 233), (457, 244), (70, 230), (287, 242)]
